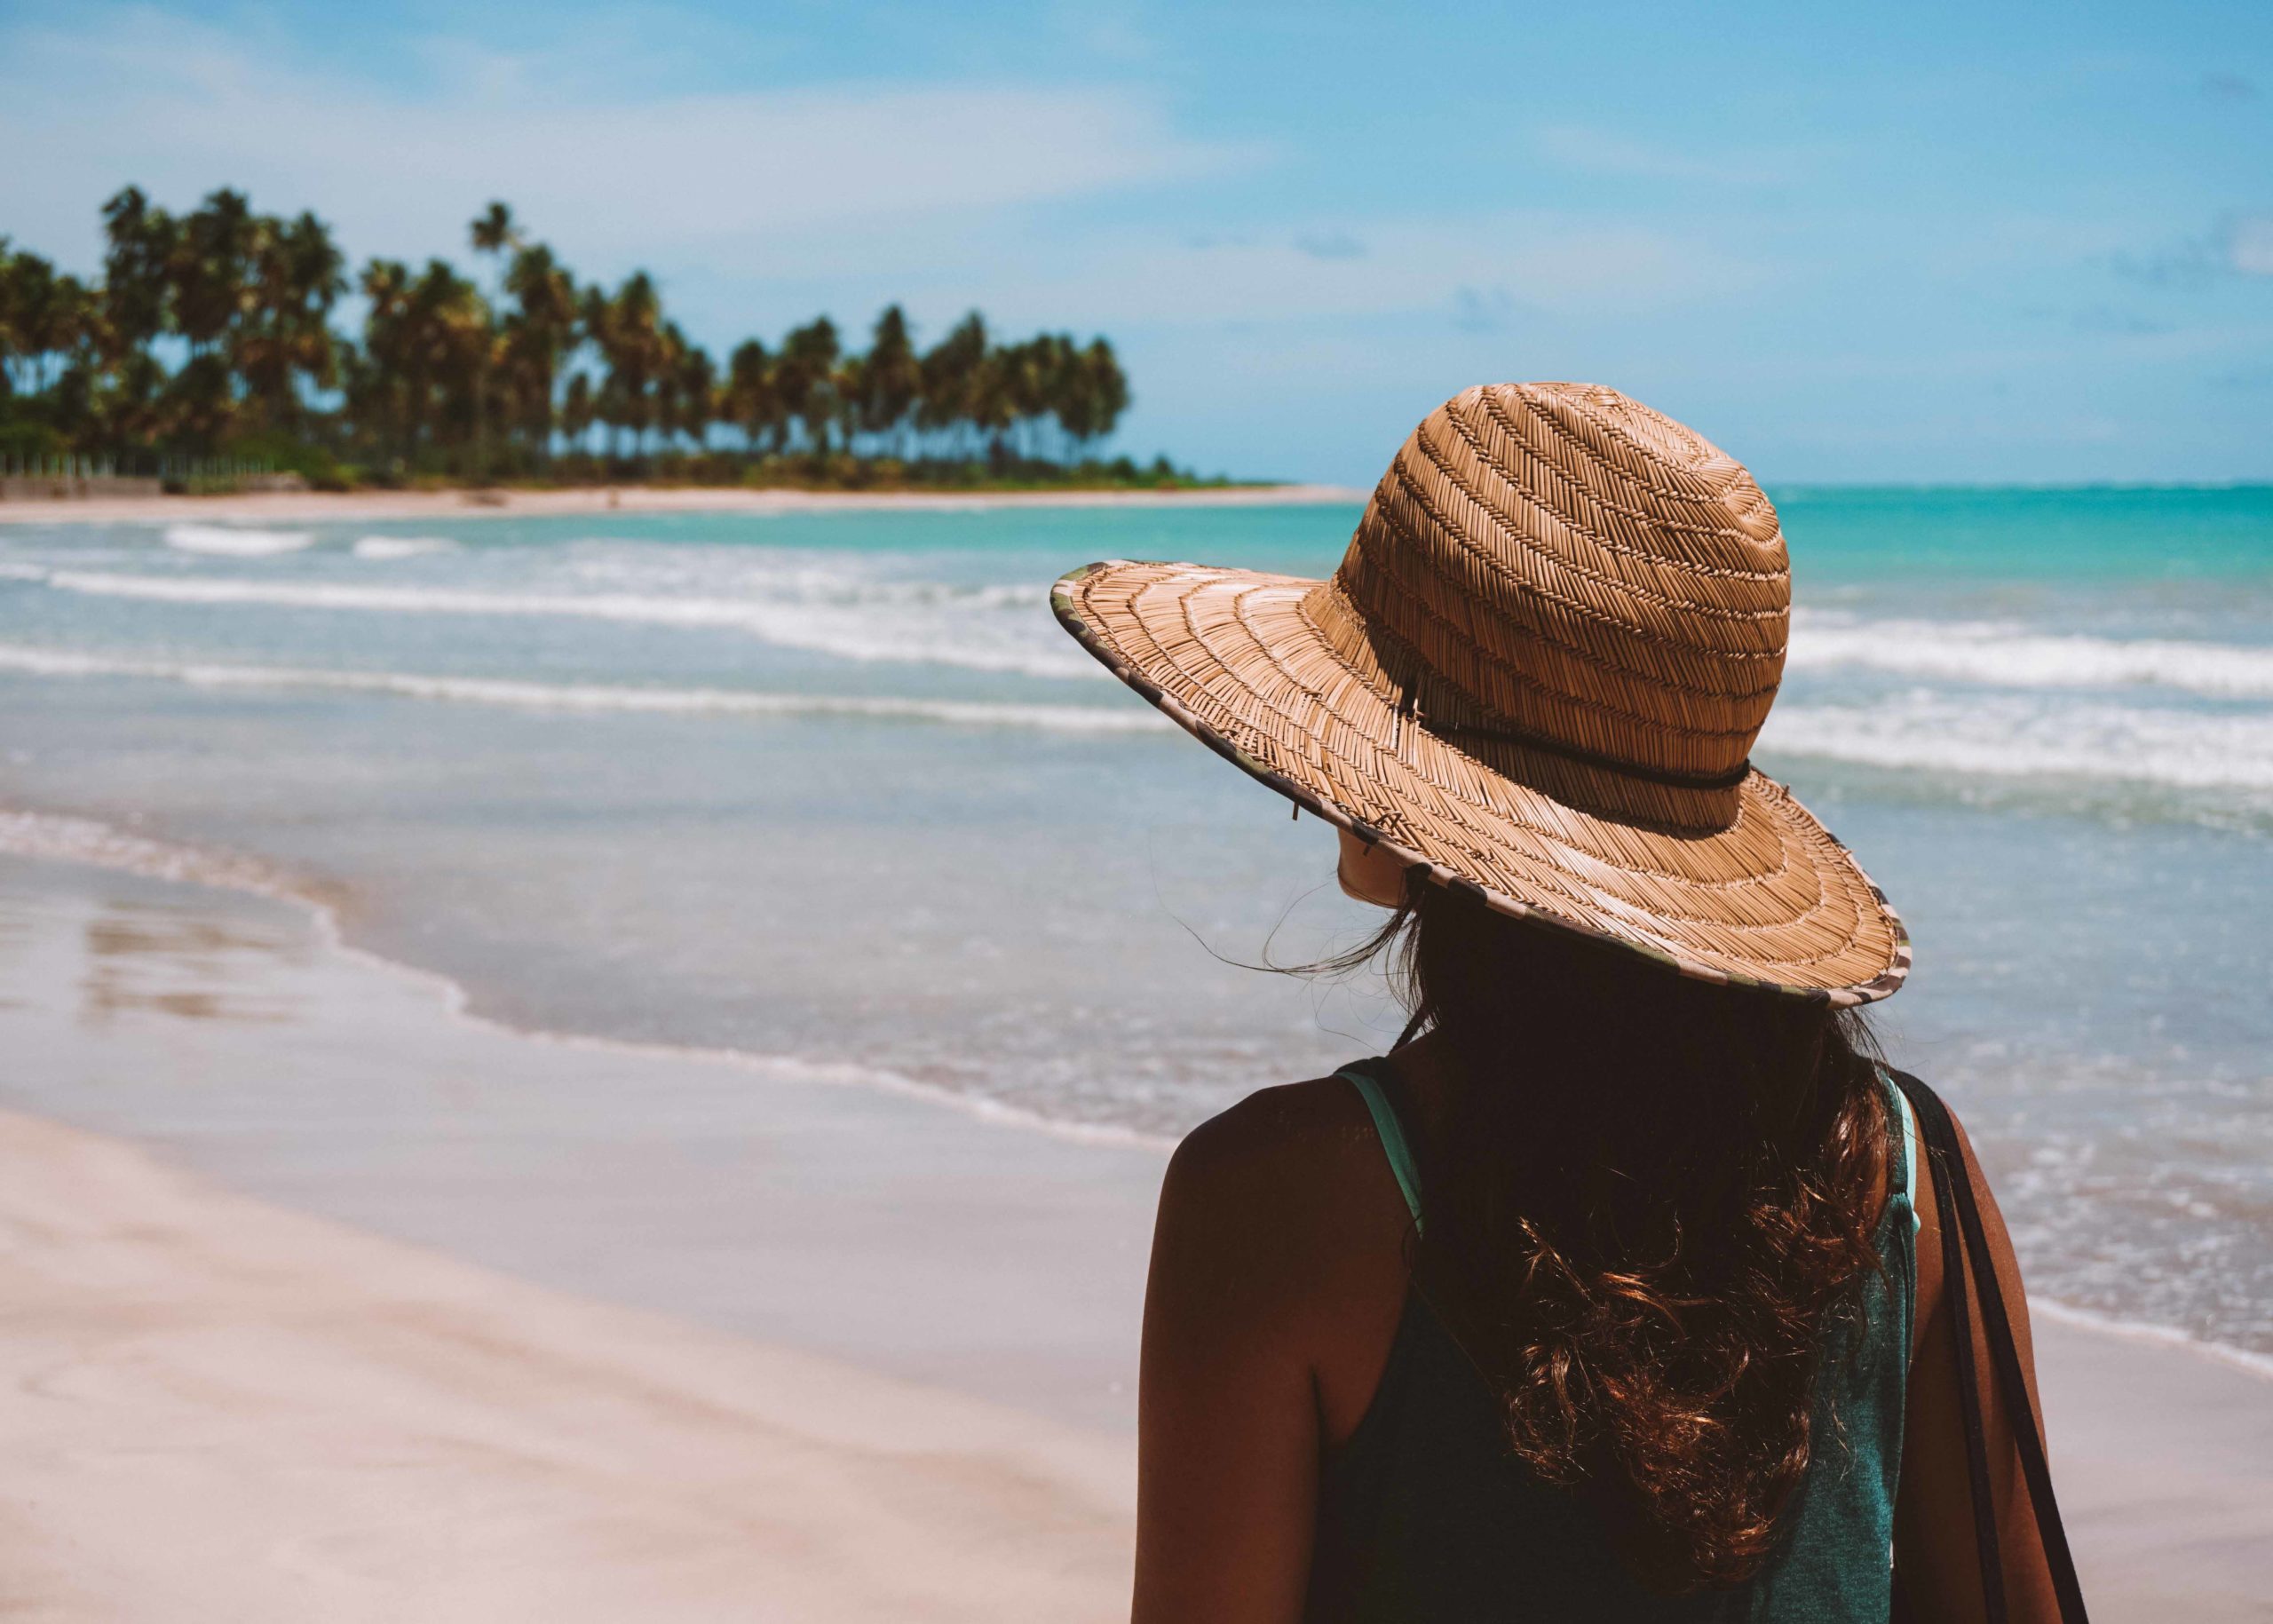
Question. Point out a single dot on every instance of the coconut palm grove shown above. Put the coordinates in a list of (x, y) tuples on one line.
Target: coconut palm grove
[(210, 342)]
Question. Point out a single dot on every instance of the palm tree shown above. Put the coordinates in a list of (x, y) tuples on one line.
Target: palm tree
[(576, 408), (284, 336), (950, 370), (1108, 388), (539, 332), (803, 378), (595, 320), (315, 275), (444, 365), (385, 377), (1027, 372), (135, 308), (686, 389), (75, 400), (849, 389), (212, 290), (627, 331), (751, 399), (212, 280), (699, 394), (453, 328), (425, 348), (9, 339), (492, 232), (199, 399), (892, 380), (987, 405), (27, 322), (56, 332)]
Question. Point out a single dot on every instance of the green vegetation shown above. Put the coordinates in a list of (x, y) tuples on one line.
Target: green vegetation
[(208, 340)]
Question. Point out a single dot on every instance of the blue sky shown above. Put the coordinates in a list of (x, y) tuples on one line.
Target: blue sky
[(1915, 243)]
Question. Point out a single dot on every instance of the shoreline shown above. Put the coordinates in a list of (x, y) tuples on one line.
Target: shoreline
[(304, 506), (412, 1031), (372, 1311), (71, 840), (2145, 1334)]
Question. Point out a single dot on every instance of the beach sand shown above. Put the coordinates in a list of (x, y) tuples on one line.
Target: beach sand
[(217, 1410), (325, 1300), (299, 507)]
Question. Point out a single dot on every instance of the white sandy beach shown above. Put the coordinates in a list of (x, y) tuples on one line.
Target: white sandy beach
[(327, 1302), (220, 1410), (296, 507)]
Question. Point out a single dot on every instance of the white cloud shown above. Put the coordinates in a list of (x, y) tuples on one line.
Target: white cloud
[(2249, 245), (180, 107), (757, 207)]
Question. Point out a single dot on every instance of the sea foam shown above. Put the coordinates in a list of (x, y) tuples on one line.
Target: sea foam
[(55, 837), (1980, 736), (824, 609), (383, 547), (2001, 655), (590, 697), (2008, 736), (939, 631), (229, 542)]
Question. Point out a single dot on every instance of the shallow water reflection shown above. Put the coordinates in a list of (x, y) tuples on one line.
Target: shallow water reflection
[(112, 959)]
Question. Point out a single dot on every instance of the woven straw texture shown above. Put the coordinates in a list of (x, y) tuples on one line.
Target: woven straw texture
[(1538, 673)]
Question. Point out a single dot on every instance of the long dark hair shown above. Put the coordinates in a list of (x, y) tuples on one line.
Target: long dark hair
[(1645, 1195)]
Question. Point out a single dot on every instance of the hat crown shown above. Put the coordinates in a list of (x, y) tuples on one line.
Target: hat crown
[(1558, 564), (1536, 677)]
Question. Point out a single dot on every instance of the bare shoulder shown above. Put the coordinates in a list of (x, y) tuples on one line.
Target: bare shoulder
[(1288, 1185), (1929, 1197), (1247, 1335), (1298, 1136)]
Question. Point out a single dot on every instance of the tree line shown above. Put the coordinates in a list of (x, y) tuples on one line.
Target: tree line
[(214, 331)]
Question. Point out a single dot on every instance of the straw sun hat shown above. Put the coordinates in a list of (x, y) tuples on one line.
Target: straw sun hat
[(1538, 674)]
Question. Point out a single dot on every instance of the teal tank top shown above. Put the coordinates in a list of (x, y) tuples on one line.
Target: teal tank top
[(1423, 1514)]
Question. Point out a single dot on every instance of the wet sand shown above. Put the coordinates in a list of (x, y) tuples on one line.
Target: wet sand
[(301, 506), (328, 1302)]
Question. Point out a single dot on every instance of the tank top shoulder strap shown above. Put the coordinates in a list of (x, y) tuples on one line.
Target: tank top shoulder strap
[(1372, 1086), (1368, 1077), (1904, 1122)]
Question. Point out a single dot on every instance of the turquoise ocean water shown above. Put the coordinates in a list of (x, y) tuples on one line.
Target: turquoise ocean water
[(835, 788)]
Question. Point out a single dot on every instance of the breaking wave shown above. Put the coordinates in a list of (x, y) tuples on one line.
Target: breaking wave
[(2000, 655), (388, 547), (826, 610), (935, 625), (2014, 736), (591, 697), (221, 541)]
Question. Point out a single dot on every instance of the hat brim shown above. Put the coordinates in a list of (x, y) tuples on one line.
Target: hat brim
[(1772, 901)]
